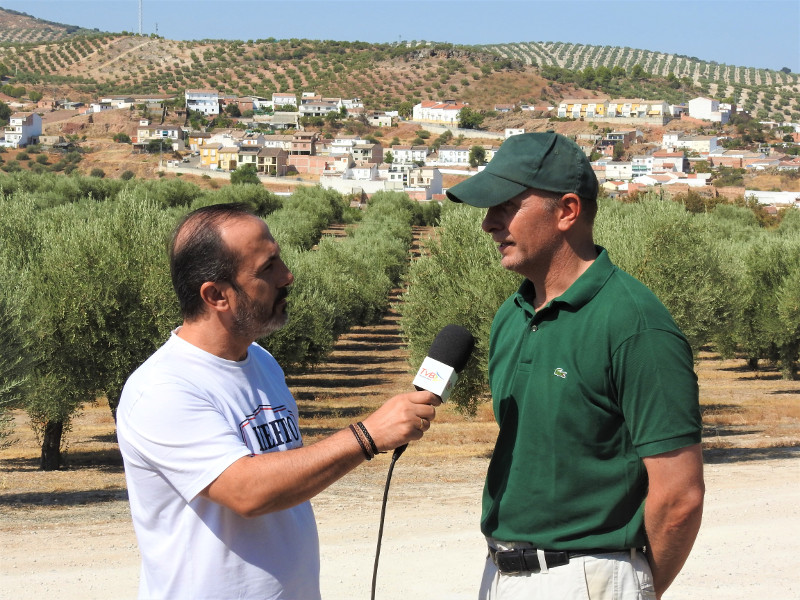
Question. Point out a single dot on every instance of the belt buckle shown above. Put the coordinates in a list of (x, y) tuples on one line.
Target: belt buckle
[(512, 562)]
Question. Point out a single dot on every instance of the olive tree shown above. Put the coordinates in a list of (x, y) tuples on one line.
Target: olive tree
[(458, 279), (98, 298)]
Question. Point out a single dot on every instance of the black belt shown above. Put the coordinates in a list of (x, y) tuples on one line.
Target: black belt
[(526, 560)]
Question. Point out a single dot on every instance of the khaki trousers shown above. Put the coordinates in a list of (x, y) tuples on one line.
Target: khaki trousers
[(614, 576)]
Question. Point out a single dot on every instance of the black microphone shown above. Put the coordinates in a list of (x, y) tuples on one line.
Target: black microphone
[(447, 357)]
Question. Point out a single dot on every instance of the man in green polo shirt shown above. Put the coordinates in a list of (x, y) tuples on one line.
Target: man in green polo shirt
[(595, 488)]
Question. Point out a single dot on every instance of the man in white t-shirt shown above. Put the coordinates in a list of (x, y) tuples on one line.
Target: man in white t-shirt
[(218, 477)]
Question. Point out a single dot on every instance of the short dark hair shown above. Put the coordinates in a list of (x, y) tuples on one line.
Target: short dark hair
[(197, 253), (588, 206)]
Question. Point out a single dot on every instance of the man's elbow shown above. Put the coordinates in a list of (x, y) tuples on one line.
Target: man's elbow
[(685, 507)]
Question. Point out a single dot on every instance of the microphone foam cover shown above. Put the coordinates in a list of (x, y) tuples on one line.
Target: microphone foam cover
[(452, 346)]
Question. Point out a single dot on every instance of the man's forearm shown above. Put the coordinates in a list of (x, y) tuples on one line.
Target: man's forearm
[(673, 511), (670, 539)]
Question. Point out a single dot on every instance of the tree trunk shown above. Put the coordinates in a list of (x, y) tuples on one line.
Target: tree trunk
[(752, 363), (51, 446), (788, 370), (788, 360)]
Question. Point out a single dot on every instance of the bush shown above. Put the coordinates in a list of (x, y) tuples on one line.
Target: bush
[(127, 175), (245, 174), (97, 172)]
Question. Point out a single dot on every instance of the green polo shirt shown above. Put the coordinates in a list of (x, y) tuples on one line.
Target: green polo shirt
[(582, 390)]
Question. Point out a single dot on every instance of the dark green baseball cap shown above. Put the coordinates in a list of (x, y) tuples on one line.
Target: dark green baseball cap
[(542, 161)]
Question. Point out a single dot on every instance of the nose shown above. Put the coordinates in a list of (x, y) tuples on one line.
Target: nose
[(288, 278), (489, 223)]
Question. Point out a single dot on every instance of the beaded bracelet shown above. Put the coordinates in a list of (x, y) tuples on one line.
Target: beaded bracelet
[(369, 438), (361, 443)]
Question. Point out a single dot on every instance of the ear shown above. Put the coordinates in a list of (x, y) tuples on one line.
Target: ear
[(215, 295), (569, 209)]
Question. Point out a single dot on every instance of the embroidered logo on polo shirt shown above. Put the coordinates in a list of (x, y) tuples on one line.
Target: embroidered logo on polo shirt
[(559, 372)]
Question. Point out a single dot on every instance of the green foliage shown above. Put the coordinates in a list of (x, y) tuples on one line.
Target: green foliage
[(257, 197), (660, 243), (343, 282), (469, 118), (477, 156), (93, 286), (459, 280), (15, 368), (767, 324), (245, 175), (304, 215)]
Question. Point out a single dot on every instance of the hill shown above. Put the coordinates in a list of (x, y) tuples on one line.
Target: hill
[(21, 28), (85, 65)]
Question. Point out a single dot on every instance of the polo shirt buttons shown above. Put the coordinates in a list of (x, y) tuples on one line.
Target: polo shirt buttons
[(534, 327)]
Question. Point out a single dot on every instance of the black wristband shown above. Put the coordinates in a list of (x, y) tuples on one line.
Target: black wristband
[(369, 438)]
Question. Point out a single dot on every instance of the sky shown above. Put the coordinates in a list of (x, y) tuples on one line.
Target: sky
[(750, 33)]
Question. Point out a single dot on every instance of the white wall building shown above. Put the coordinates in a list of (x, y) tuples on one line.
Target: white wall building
[(708, 110), (282, 99), (23, 129), (409, 154), (702, 144), (454, 155), (430, 111), (619, 170), (204, 101)]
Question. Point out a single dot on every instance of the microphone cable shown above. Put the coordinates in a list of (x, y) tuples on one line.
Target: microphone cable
[(395, 455)]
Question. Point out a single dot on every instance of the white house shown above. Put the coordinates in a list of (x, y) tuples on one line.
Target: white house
[(352, 103), (204, 101), (702, 144), (101, 106), (666, 161), (362, 171), (282, 99), (147, 132), (619, 170), (708, 110), (641, 165), (409, 154), (23, 129), (261, 103), (454, 155), (430, 111), (319, 108)]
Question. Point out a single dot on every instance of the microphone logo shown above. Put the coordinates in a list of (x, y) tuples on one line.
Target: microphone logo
[(430, 375), (436, 377)]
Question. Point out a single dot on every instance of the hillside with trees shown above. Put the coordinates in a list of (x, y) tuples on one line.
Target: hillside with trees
[(84, 65)]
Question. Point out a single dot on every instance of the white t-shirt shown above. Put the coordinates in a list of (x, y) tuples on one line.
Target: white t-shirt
[(184, 416)]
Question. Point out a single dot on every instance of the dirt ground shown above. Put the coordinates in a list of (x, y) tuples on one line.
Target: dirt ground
[(747, 548), (68, 534)]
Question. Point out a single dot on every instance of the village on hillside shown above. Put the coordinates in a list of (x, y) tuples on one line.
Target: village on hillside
[(630, 142)]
